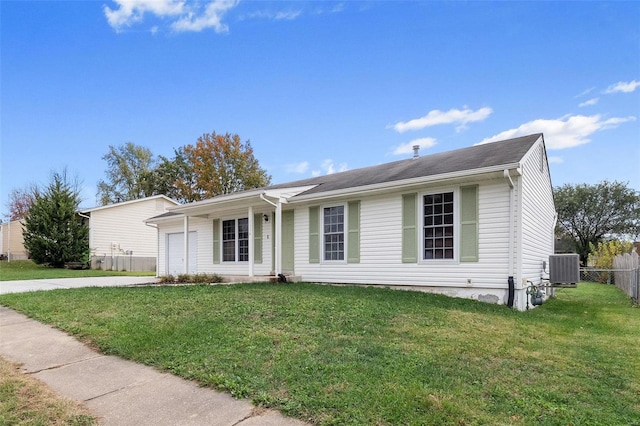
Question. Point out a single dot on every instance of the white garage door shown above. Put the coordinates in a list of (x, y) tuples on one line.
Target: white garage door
[(175, 253)]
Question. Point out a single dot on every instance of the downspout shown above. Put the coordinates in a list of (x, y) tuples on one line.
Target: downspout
[(510, 280), (278, 236)]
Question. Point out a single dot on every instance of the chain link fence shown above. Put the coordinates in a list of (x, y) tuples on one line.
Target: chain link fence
[(625, 275)]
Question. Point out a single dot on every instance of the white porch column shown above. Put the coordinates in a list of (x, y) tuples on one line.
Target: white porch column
[(185, 253), (251, 240), (278, 236)]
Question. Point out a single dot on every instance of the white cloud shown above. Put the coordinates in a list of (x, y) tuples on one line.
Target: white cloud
[(186, 17), (328, 168), (565, 132), (301, 167), (288, 15), (623, 87), (132, 11), (407, 148), (435, 117), (585, 92), (211, 18), (555, 159), (589, 102)]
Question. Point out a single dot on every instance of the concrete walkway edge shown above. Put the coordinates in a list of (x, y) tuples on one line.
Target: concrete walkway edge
[(117, 391)]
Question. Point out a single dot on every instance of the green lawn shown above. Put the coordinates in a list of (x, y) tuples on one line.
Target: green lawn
[(353, 355), (27, 270)]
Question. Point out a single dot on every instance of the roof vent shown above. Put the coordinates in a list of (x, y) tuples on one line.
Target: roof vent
[(416, 150)]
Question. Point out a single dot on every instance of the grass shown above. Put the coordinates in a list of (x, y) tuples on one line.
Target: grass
[(26, 401), (27, 270), (353, 355)]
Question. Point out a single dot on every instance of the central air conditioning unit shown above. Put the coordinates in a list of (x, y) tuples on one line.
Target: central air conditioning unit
[(564, 270)]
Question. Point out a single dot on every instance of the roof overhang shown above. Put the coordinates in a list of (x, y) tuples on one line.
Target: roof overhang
[(238, 200), (125, 203), (465, 175)]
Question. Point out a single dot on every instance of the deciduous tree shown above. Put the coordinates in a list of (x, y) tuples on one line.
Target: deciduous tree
[(221, 164), (127, 166), (164, 178), (20, 201), (591, 213)]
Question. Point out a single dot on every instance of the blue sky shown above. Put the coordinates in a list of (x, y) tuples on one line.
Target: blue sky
[(317, 87)]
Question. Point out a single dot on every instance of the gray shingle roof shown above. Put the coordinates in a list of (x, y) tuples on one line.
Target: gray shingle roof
[(492, 154)]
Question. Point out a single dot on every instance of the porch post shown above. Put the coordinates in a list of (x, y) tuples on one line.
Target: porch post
[(186, 245), (251, 241), (278, 253)]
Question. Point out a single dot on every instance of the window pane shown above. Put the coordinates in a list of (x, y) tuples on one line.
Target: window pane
[(333, 218), (229, 240), (438, 241)]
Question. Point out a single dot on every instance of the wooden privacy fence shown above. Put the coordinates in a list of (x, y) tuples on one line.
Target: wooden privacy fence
[(627, 274)]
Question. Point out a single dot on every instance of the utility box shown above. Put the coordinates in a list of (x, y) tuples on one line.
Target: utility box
[(564, 270)]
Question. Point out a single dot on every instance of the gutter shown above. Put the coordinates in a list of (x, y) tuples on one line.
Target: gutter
[(367, 189)]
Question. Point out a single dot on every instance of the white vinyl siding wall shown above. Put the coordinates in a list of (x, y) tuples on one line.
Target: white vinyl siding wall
[(381, 247), (123, 226), (538, 215), (204, 228)]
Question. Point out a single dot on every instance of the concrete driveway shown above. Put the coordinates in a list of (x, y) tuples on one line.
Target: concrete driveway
[(52, 284)]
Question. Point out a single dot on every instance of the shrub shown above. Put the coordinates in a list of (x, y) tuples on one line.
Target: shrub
[(191, 279)]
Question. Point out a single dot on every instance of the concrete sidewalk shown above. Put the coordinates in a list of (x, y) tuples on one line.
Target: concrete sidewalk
[(55, 283), (116, 391)]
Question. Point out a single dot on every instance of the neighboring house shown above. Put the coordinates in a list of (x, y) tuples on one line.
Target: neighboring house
[(119, 238), (476, 222), (12, 241)]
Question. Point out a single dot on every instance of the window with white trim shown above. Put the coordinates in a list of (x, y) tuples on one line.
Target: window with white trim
[(235, 240), (438, 226), (333, 232)]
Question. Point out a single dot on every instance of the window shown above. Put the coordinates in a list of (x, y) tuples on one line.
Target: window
[(235, 240), (438, 226), (333, 222)]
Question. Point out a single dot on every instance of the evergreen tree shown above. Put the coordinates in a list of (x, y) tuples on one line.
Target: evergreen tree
[(53, 233)]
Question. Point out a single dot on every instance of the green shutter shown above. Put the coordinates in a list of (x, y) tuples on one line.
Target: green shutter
[(409, 229), (314, 234), (257, 238), (469, 223), (353, 229), (216, 240)]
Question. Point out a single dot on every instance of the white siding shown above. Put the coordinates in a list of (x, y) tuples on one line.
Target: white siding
[(118, 228), (537, 214), (13, 240), (381, 243), (204, 228)]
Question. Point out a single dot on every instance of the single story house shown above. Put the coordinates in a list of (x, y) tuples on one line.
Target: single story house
[(119, 238), (476, 222)]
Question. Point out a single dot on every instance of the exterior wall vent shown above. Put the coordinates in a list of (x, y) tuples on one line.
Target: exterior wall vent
[(564, 270)]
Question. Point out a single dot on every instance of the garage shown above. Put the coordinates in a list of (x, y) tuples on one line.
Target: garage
[(175, 253)]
